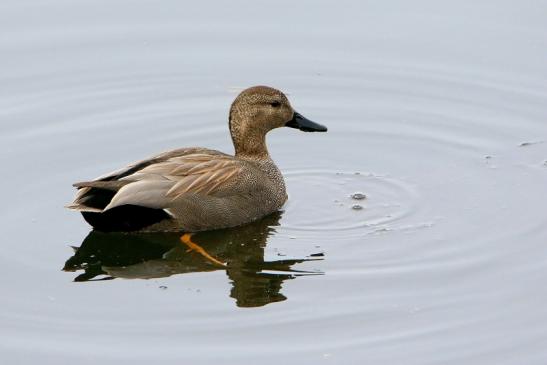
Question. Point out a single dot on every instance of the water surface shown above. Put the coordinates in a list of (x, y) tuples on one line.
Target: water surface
[(436, 112)]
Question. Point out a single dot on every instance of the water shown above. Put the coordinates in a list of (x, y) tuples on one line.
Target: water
[(436, 112)]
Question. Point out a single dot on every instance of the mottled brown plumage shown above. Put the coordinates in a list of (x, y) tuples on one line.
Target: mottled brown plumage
[(196, 189)]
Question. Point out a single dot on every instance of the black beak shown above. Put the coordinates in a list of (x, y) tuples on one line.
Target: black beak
[(306, 125)]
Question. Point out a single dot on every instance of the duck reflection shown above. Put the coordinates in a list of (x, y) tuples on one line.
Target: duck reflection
[(239, 251)]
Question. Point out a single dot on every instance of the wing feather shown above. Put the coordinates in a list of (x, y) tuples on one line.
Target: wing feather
[(206, 181), (145, 193), (158, 184)]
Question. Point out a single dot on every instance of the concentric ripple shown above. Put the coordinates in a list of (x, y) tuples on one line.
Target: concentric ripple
[(322, 201)]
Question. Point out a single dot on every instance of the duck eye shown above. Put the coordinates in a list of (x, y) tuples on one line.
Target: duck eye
[(275, 104)]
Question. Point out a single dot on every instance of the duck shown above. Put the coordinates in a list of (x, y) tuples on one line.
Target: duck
[(197, 189)]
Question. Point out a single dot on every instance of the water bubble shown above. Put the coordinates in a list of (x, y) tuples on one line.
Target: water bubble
[(358, 196)]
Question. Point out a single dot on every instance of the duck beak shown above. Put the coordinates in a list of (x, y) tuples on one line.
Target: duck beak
[(306, 125)]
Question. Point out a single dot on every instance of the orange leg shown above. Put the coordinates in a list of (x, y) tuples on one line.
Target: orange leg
[(186, 239)]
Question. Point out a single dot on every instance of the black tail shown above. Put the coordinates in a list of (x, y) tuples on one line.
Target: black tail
[(124, 218)]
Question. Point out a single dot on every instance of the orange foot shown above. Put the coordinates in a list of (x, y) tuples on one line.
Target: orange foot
[(187, 240)]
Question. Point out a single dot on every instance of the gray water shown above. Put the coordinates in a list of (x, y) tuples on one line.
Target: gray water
[(437, 112)]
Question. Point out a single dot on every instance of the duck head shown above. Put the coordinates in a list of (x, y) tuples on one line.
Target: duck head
[(256, 111)]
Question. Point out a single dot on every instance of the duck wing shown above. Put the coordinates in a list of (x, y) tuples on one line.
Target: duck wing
[(156, 182), (158, 185), (162, 157)]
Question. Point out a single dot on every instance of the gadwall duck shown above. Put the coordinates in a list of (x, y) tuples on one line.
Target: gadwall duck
[(197, 189)]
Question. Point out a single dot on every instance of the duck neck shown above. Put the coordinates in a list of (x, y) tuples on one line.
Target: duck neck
[(252, 148), (250, 143)]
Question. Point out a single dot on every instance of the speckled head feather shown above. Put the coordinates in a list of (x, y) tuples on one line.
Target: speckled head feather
[(254, 112)]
